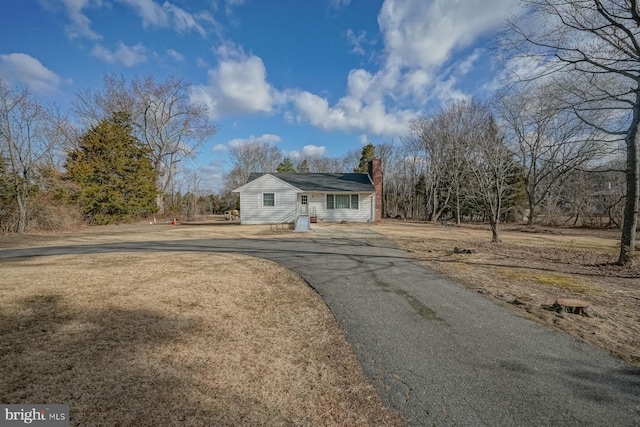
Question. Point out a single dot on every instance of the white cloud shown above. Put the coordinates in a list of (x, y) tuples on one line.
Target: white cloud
[(168, 15), (177, 56), (308, 151), (313, 150), (445, 91), (183, 21), (200, 62), (465, 66), (128, 56), (230, 4), (220, 147), (351, 114), (152, 13), (27, 70), (424, 34), (519, 69), (237, 85), (339, 4), (80, 26), (356, 41), (420, 37), (266, 138)]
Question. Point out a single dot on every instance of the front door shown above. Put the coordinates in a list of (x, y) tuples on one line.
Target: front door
[(303, 208)]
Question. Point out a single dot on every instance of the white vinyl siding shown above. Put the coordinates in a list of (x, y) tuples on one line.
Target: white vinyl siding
[(252, 201)]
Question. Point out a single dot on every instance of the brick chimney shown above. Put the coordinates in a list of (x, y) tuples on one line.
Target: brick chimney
[(375, 174)]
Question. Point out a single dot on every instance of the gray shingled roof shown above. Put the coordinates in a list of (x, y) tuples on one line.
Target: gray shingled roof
[(325, 182)]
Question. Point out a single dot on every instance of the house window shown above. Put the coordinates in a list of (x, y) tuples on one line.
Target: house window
[(268, 199), (342, 201), (304, 199), (329, 201)]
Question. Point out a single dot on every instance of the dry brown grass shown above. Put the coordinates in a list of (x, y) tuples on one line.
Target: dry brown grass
[(176, 339), (230, 340)]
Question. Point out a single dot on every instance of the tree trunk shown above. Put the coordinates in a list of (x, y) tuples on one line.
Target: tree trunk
[(458, 205), (632, 175), (531, 203), (21, 199), (494, 217), (495, 233), (438, 212)]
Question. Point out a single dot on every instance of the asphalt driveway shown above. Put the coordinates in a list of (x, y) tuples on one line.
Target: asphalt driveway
[(437, 352)]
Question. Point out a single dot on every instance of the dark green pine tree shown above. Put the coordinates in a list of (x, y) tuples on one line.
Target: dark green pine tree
[(286, 166), (368, 154), (114, 173)]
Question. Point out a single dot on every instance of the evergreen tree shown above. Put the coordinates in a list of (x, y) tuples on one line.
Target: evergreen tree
[(286, 166), (368, 154), (114, 173)]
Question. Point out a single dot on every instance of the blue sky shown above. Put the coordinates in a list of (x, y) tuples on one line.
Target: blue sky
[(311, 76)]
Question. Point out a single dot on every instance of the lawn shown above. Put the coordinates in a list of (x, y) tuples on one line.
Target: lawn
[(210, 339), (175, 339)]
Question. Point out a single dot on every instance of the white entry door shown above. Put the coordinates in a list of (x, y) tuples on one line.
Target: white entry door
[(303, 204)]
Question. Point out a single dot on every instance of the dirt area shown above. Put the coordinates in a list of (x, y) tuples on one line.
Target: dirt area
[(534, 267)]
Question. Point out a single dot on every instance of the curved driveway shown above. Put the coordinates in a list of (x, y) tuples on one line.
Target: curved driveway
[(435, 351)]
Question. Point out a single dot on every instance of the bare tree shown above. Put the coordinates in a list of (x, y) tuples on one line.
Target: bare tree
[(251, 157), (596, 45), (430, 138), (351, 160), (549, 142), (458, 122), (321, 164), (194, 184), (93, 106), (492, 168), (163, 116), (170, 124), (27, 136), (445, 138)]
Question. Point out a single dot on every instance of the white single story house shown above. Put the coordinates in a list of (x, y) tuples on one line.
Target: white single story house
[(281, 198)]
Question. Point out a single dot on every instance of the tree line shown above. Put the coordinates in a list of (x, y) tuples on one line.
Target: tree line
[(114, 156)]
